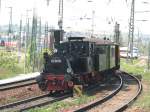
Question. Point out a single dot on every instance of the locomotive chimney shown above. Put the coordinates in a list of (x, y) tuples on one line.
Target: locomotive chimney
[(58, 36)]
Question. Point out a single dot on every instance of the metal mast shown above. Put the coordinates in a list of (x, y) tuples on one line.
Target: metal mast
[(47, 2), (27, 28), (60, 18), (46, 31), (19, 39), (0, 14), (0, 5), (117, 33), (93, 13), (131, 30), (60, 15), (148, 63), (10, 24), (33, 38), (46, 36)]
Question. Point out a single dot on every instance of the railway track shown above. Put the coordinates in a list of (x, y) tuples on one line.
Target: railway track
[(17, 84), (30, 102), (33, 102), (127, 90), (39, 101), (119, 100), (103, 98)]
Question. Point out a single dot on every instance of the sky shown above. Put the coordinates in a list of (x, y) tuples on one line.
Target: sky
[(106, 14)]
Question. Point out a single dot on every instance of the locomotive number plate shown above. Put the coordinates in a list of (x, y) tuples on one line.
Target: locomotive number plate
[(55, 61)]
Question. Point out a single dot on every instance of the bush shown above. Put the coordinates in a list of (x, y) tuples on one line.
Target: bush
[(8, 60)]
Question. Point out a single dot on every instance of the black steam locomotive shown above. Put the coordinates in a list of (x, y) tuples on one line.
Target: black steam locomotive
[(77, 61)]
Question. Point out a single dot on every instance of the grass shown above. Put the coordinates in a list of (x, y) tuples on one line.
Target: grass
[(7, 73), (139, 67), (60, 105)]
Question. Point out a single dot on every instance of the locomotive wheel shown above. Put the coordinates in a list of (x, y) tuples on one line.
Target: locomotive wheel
[(42, 86)]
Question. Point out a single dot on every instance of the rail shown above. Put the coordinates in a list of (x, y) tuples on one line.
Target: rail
[(87, 107), (17, 84)]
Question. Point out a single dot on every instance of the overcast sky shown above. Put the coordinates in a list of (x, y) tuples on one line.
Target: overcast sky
[(106, 14)]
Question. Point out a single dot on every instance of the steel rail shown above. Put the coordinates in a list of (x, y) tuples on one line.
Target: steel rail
[(48, 102), (125, 106), (15, 106), (17, 84), (24, 80), (22, 101), (89, 106)]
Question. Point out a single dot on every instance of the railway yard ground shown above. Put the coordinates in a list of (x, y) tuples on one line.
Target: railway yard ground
[(139, 67), (142, 104)]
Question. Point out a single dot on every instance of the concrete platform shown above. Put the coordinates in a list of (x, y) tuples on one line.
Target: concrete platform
[(19, 78)]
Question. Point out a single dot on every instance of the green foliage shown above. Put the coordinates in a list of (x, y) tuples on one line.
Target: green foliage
[(9, 65), (49, 51), (34, 61), (136, 68), (8, 60)]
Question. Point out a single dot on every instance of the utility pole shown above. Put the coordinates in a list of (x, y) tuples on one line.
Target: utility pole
[(46, 36), (148, 64), (0, 5), (46, 31), (10, 25), (117, 33), (0, 15), (27, 28), (138, 40), (26, 39), (60, 18), (33, 38), (131, 31), (60, 15), (47, 2), (39, 45), (19, 40), (39, 34), (93, 14)]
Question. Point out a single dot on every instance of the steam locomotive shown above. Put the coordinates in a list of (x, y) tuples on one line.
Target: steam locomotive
[(77, 61)]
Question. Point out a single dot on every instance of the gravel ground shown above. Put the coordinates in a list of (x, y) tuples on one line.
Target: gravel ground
[(135, 108), (119, 99), (21, 93), (99, 94)]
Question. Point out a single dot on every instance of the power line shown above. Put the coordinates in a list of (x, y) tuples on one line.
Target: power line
[(141, 11), (109, 1)]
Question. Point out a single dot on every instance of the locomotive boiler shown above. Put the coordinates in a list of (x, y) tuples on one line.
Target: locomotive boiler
[(77, 61)]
